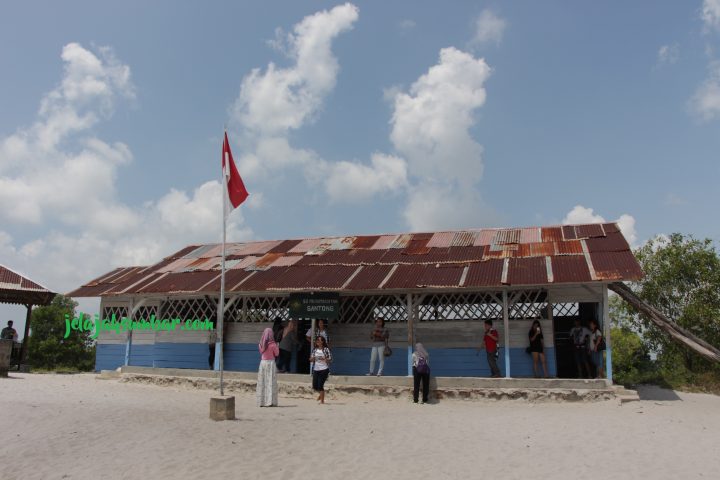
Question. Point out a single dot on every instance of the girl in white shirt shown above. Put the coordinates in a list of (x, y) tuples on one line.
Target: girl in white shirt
[(321, 359)]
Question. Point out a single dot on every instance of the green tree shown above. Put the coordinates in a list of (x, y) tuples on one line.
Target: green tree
[(49, 349), (682, 280)]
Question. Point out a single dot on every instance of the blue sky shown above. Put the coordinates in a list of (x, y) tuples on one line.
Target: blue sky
[(375, 117)]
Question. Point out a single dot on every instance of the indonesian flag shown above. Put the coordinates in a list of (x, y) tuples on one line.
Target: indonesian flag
[(235, 187)]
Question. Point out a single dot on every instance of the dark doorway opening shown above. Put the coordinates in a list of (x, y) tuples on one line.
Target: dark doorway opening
[(564, 348)]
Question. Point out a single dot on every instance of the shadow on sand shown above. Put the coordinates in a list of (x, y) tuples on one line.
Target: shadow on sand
[(659, 394)]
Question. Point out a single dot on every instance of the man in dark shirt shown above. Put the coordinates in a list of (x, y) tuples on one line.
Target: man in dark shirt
[(9, 333)]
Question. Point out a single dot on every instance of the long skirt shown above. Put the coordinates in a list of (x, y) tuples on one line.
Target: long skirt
[(266, 393)]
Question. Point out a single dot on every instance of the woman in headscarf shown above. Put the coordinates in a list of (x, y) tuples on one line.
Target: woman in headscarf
[(421, 372), (266, 393)]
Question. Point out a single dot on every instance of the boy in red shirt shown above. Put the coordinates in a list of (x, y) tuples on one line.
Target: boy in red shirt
[(491, 348)]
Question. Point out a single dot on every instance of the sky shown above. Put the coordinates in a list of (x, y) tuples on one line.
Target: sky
[(347, 118)]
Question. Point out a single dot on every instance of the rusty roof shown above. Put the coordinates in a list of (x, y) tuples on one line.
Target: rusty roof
[(15, 288), (464, 259)]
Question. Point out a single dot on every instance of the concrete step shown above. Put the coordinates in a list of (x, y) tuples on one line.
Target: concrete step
[(625, 395), (109, 375)]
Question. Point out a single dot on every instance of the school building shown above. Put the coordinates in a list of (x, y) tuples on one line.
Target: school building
[(436, 288)]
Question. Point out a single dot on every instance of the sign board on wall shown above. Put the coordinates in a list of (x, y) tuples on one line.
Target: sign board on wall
[(325, 305)]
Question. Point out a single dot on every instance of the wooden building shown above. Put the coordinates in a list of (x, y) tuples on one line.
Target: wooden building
[(436, 288)]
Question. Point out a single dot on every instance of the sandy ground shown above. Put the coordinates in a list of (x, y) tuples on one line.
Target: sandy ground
[(79, 427)]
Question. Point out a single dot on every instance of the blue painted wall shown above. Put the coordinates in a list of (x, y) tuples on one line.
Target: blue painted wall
[(109, 356), (141, 355), (244, 357), (181, 355)]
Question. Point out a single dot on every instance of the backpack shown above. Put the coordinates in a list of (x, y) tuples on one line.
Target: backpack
[(422, 366)]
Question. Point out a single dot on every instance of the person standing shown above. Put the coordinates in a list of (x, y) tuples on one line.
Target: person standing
[(289, 339), (320, 331), (320, 359), (578, 336), (277, 329), (490, 342), (595, 341), (421, 372), (9, 333), (535, 336), (266, 393), (379, 337)]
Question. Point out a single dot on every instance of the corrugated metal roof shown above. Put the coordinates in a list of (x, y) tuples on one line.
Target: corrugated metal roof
[(199, 251), (551, 234), (505, 236), (401, 241), (441, 239), (615, 265), (306, 245), (284, 246), (568, 232), (570, 269), (369, 277), (527, 271), (15, 288), (530, 235), (614, 242), (406, 276), (232, 278), (572, 247), (485, 274), (384, 242), (418, 244), (187, 282), (286, 261), (589, 231), (485, 237), (442, 276), (420, 260)]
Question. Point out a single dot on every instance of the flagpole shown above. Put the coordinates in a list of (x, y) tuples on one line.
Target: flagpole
[(221, 305)]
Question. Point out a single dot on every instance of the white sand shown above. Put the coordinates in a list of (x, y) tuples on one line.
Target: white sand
[(78, 427)]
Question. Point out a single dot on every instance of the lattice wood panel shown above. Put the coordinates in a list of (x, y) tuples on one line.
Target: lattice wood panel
[(190, 309), (261, 309), (566, 309), (365, 309), (145, 312), (459, 306), (530, 304), (119, 313)]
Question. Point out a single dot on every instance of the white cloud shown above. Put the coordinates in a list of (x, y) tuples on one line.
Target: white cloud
[(582, 215), (444, 205), (430, 124), (281, 99), (277, 100), (711, 14), (705, 103), (56, 170), (431, 131), (668, 54), (489, 28), (353, 182)]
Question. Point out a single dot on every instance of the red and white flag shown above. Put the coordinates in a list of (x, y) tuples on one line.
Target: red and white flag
[(236, 191)]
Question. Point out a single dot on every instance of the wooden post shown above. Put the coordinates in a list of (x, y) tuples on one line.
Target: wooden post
[(128, 343), (506, 332), (411, 327), (23, 346), (552, 326), (606, 328)]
